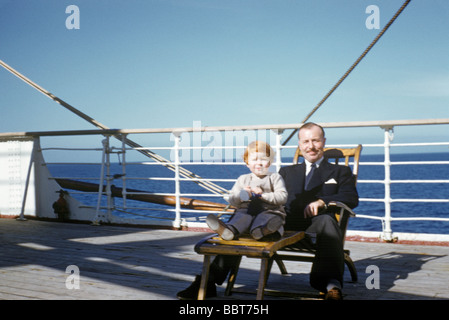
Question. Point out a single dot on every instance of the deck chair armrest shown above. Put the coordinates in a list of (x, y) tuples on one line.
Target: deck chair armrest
[(341, 205)]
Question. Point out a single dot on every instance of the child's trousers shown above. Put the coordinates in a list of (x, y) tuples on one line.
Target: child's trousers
[(244, 222)]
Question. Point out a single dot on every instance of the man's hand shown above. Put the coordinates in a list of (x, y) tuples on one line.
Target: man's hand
[(313, 208)]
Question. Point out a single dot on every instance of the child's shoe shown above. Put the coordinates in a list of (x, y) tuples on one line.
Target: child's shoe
[(220, 227), (271, 227)]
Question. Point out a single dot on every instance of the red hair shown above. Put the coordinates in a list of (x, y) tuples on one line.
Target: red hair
[(258, 146)]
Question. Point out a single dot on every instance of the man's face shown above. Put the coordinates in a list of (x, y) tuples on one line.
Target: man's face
[(311, 143)]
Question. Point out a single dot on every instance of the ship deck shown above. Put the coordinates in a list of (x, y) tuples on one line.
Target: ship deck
[(132, 263)]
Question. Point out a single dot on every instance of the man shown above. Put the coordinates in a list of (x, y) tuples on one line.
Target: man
[(307, 207), (311, 185)]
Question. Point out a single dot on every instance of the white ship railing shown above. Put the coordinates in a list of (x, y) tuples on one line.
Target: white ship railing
[(276, 132)]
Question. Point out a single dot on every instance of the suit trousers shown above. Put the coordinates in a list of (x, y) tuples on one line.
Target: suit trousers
[(328, 264)]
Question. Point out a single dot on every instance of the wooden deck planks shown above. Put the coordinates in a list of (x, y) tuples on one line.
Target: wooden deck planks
[(154, 264)]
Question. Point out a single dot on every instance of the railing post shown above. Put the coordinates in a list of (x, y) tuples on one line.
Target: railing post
[(109, 178), (105, 143), (177, 222), (278, 146), (388, 137), (124, 170)]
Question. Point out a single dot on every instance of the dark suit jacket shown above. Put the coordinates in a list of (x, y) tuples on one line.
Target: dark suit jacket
[(330, 183)]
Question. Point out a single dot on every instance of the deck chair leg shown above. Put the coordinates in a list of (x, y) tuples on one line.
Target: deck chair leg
[(265, 267), (268, 272), (351, 267), (281, 266), (204, 277), (232, 277)]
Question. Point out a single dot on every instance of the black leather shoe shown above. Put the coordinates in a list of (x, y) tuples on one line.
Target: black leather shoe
[(334, 294), (191, 293)]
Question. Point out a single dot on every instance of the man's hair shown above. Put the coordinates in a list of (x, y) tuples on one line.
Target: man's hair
[(259, 146), (309, 125)]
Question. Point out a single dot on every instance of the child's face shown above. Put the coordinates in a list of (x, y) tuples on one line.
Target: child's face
[(258, 163)]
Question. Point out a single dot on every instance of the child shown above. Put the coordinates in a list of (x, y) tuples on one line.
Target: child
[(259, 197)]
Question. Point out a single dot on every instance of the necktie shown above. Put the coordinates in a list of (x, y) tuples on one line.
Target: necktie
[(309, 176)]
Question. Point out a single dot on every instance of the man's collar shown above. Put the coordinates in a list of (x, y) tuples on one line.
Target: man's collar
[(317, 163)]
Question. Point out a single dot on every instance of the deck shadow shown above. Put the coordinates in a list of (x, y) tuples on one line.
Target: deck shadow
[(137, 263), (388, 276), (35, 255)]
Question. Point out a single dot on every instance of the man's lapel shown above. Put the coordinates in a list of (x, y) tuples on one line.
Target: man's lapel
[(301, 174), (321, 175)]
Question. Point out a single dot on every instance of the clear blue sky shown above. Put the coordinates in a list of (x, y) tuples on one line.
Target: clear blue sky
[(167, 63)]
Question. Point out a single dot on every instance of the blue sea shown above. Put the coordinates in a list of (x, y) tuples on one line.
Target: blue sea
[(366, 190)]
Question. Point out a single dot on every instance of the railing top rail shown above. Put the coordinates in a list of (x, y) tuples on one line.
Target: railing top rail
[(353, 124)]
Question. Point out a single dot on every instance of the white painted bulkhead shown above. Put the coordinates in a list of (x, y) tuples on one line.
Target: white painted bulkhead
[(23, 172)]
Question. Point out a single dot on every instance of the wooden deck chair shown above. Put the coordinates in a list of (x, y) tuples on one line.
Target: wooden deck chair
[(298, 253), (287, 248)]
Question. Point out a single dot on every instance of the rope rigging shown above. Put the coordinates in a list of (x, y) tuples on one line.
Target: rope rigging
[(350, 69), (212, 187)]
